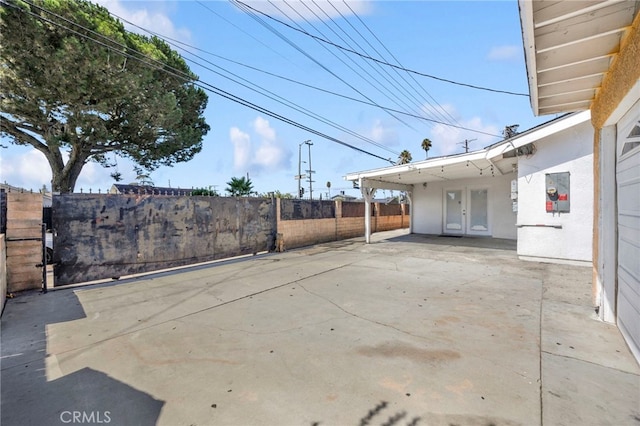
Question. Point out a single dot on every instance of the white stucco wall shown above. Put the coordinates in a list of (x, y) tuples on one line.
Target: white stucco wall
[(567, 151), (428, 212)]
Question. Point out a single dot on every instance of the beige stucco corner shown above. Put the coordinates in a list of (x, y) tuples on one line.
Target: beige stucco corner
[(622, 76)]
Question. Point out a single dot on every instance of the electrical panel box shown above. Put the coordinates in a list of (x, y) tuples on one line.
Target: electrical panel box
[(557, 192), (514, 196)]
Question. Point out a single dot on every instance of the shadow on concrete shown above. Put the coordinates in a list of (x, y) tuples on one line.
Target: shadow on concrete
[(86, 396), (458, 241)]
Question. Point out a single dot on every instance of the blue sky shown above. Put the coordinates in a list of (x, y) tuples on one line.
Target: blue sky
[(478, 43)]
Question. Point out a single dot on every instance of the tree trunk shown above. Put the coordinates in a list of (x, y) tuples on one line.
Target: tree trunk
[(65, 176), (64, 181)]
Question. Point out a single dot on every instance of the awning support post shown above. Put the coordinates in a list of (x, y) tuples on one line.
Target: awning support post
[(367, 194), (409, 197)]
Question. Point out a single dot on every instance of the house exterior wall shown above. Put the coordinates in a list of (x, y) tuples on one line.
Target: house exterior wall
[(427, 205), (567, 151), (619, 91), (619, 81)]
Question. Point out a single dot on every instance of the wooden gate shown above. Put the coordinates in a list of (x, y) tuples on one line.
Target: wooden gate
[(24, 241)]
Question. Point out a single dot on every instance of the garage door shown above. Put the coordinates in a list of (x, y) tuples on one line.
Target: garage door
[(628, 187)]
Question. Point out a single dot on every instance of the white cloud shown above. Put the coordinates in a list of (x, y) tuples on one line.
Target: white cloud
[(269, 155), (504, 53), (449, 140), (383, 134), (262, 128), (155, 21), (299, 10), (241, 148), (30, 170), (96, 177)]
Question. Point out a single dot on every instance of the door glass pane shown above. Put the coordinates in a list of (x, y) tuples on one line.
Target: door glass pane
[(478, 218), (454, 210)]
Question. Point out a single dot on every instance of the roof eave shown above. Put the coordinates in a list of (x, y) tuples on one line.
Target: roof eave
[(529, 44), (420, 165)]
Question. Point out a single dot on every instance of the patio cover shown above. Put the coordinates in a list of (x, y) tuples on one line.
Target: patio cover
[(497, 159)]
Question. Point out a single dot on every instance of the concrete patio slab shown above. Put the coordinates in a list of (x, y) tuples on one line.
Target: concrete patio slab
[(408, 330)]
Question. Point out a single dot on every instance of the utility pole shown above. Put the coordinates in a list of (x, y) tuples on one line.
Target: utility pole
[(310, 171), (466, 144), (300, 176)]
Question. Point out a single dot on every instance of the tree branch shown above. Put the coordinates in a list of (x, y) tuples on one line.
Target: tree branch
[(21, 137)]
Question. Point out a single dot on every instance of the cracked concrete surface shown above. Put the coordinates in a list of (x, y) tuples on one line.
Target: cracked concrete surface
[(409, 330)]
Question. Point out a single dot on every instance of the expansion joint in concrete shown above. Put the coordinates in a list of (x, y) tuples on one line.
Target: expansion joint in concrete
[(359, 317), (595, 364)]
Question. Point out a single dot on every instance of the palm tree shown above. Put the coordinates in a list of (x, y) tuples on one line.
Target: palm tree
[(404, 157), (239, 187), (426, 145)]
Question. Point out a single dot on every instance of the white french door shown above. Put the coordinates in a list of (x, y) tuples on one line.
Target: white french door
[(454, 211), (466, 211)]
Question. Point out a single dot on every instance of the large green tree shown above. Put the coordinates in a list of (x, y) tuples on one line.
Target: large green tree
[(74, 80), (239, 187)]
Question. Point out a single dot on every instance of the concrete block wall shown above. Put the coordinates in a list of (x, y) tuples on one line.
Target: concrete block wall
[(100, 236), (300, 233), (388, 223), (350, 227), (305, 232)]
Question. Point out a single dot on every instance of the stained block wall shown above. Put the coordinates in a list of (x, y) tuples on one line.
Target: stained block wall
[(103, 235)]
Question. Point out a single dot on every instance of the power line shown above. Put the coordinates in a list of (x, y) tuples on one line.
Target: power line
[(299, 49), (379, 85), (446, 113), (269, 94), (230, 23), (175, 42), (472, 86), (180, 74)]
